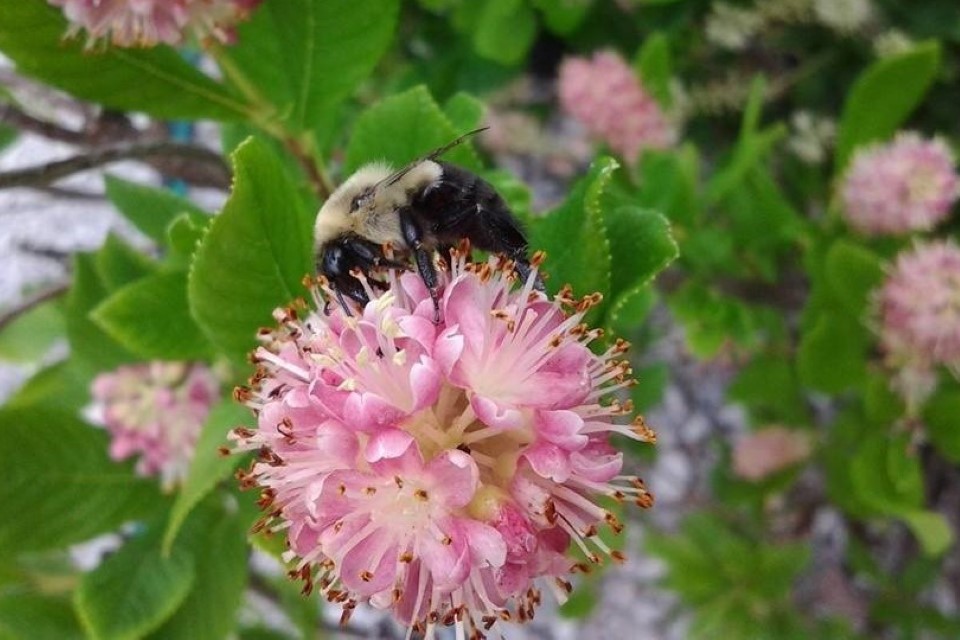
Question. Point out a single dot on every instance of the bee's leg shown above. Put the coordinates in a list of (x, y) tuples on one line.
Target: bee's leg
[(413, 236)]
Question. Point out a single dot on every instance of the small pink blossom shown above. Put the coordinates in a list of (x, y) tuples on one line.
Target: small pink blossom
[(763, 453), (919, 313), (146, 23), (607, 97), (155, 411), (906, 185), (439, 470)]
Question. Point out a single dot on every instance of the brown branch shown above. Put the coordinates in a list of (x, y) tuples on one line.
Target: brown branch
[(11, 115), (33, 301), (45, 174)]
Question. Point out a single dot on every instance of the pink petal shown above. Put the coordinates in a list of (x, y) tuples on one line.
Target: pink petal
[(357, 564), (562, 428), (448, 350), (368, 412), (495, 415), (425, 382), (393, 451), (449, 564), (453, 476), (548, 461), (487, 546)]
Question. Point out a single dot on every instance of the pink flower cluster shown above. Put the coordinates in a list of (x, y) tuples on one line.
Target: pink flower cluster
[(768, 451), (906, 185), (439, 470), (145, 23), (607, 97), (155, 410), (919, 309)]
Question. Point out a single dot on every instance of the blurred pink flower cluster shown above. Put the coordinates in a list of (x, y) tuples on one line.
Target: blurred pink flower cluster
[(155, 410), (440, 470), (903, 186), (605, 95), (145, 23), (919, 309), (763, 453)]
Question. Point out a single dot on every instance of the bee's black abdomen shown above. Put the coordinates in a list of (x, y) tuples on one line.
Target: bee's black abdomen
[(463, 205)]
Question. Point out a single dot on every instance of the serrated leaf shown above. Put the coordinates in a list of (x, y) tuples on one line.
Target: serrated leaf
[(505, 31), (151, 318), (254, 255), (852, 272), (208, 466), (30, 616), (88, 342), (152, 80), (832, 355), (641, 246), (29, 337), (219, 549), (327, 47), (402, 128), (150, 209), (931, 529), (653, 66), (630, 309), (119, 264), (574, 236), (883, 96), (184, 234), (134, 590), (941, 416), (59, 485)]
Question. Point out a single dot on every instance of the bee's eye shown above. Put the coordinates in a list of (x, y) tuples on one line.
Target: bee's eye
[(360, 200)]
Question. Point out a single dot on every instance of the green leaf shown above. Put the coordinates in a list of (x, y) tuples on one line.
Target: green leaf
[(29, 337), (183, 237), (254, 255), (402, 128), (885, 475), (88, 343), (150, 209), (65, 383), (327, 47), (59, 485), (219, 549), (505, 31), (641, 246), (942, 419), (119, 264), (832, 355), (630, 309), (652, 380), (668, 183), (852, 272), (882, 407), (653, 66), (29, 616), (208, 466), (8, 135), (151, 318), (769, 386), (464, 111), (563, 16), (581, 602), (931, 529), (883, 96), (133, 591), (156, 81), (575, 238)]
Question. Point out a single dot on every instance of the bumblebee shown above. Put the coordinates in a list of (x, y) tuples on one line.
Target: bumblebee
[(425, 208)]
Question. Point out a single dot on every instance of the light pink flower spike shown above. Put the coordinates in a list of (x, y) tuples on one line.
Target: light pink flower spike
[(439, 470), (146, 23), (761, 454), (606, 96), (904, 186), (919, 311), (156, 411)]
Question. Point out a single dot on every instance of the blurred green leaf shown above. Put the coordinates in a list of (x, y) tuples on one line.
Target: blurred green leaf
[(942, 419), (150, 209), (327, 48), (89, 343), (713, 320), (154, 80), (563, 16), (931, 529), (852, 272), (883, 96), (885, 475), (217, 542), (505, 30), (575, 238), (8, 135), (65, 383), (151, 318), (652, 382), (464, 111), (254, 254), (402, 128), (882, 407), (208, 466), (832, 355), (134, 590), (30, 616), (655, 68), (581, 602), (184, 234), (668, 182), (29, 337), (769, 386), (119, 264), (59, 486)]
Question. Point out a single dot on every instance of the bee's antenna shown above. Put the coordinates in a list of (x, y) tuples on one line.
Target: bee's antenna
[(433, 155)]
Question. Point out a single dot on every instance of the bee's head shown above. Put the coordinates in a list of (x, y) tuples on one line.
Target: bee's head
[(358, 196)]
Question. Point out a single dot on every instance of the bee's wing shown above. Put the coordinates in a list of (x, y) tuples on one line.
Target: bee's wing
[(433, 155)]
